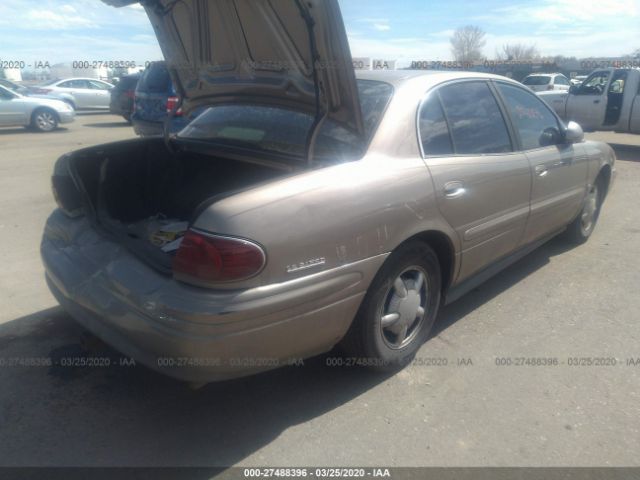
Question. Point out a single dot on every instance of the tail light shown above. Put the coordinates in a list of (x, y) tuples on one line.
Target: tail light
[(171, 104), (66, 195), (205, 258), (129, 94)]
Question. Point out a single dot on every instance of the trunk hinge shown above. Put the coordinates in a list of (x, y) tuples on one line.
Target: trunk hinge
[(321, 113)]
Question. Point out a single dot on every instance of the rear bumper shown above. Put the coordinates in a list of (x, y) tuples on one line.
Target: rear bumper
[(190, 333), (146, 128)]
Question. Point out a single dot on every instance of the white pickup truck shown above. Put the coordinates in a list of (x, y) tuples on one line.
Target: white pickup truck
[(608, 99)]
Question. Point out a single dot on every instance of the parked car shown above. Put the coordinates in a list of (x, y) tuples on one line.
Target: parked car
[(32, 92), (608, 99), (42, 114), (13, 86), (86, 93), (547, 81), (122, 96), (155, 97), (260, 234)]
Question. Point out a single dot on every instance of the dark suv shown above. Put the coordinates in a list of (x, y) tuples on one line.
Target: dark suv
[(122, 96), (155, 97)]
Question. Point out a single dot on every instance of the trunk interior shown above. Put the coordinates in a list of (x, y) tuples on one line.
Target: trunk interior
[(145, 196)]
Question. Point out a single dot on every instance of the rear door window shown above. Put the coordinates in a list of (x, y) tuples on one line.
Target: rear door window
[(95, 85), (476, 122), (75, 84)]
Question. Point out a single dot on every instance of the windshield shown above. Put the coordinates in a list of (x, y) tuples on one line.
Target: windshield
[(537, 80), (280, 130)]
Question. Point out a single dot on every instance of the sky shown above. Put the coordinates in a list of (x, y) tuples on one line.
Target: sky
[(66, 30)]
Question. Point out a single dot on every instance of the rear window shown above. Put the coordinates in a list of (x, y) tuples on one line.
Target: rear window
[(128, 83), (537, 80), (155, 79), (280, 130)]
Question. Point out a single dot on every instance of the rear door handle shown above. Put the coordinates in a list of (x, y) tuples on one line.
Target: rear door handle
[(541, 170), (454, 189), (596, 101)]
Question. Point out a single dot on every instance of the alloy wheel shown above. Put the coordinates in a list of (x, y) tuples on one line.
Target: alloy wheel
[(45, 121)]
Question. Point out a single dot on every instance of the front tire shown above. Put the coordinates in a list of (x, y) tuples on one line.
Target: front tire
[(582, 227), (398, 311), (44, 120)]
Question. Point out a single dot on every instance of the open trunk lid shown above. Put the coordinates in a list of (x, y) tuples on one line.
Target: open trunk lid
[(291, 53)]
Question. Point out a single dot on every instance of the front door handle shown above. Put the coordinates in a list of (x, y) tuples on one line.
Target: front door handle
[(596, 101), (454, 189)]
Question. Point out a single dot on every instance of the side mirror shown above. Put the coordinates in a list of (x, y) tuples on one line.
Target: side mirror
[(550, 136), (573, 133), (573, 89)]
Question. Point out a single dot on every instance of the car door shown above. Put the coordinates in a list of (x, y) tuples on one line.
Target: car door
[(101, 94), (559, 169), (79, 89), (482, 185), (561, 83), (12, 112), (588, 103)]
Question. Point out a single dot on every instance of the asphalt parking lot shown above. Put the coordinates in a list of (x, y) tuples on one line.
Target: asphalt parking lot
[(454, 407)]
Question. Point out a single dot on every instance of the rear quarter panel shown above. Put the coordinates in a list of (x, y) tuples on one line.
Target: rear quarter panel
[(339, 214)]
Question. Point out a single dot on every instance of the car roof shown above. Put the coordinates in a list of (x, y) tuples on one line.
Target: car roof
[(397, 78), (544, 74), (80, 78)]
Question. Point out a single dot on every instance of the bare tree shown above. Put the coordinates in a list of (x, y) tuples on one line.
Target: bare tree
[(467, 43), (518, 51)]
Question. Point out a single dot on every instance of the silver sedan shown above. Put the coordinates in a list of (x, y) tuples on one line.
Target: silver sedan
[(87, 93), (42, 114)]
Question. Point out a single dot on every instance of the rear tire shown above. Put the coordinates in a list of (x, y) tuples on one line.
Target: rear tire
[(44, 120), (398, 311), (582, 227)]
